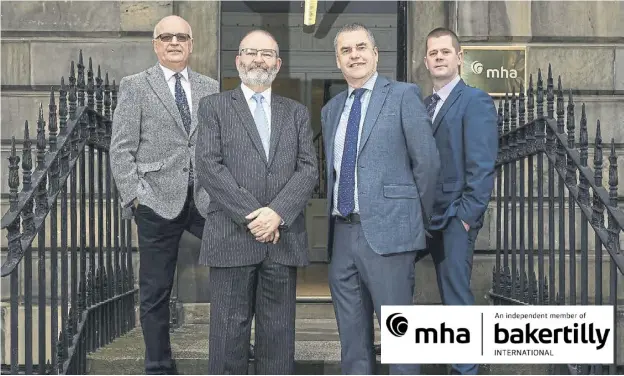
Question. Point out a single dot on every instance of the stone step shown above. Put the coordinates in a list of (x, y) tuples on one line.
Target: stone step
[(317, 351)]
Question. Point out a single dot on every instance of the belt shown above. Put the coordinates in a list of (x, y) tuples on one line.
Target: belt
[(351, 218)]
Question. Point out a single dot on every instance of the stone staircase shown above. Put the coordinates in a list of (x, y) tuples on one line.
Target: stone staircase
[(317, 347)]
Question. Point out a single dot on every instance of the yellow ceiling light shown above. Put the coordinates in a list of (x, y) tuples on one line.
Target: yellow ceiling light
[(309, 14)]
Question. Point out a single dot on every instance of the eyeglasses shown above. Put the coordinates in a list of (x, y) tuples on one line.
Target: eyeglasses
[(167, 37), (252, 52)]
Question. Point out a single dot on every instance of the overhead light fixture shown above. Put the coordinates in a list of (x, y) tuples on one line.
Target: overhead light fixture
[(309, 13)]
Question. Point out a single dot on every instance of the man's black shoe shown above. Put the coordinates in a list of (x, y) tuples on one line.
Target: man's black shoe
[(377, 348)]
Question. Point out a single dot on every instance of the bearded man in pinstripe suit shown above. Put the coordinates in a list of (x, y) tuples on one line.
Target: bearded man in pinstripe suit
[(256, 159)]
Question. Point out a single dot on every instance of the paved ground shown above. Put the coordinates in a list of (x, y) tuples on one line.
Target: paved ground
[(317, 351)]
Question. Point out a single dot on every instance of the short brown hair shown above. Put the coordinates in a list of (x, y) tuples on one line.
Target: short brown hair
[(440, 32)]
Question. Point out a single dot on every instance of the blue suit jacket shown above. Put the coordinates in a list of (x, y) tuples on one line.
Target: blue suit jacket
[(466, 135), (397, 166)]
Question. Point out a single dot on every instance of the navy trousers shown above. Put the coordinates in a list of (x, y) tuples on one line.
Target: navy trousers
[(452, 249)]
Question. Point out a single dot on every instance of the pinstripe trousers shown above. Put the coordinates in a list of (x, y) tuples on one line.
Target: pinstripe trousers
[(266, 291)]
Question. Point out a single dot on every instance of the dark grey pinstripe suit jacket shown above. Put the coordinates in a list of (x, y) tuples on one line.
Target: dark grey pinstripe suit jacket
[(232, 167)]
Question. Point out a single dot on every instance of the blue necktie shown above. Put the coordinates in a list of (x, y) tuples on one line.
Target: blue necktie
[(262, 123), (185, 112), (433, 102), (346, 187)]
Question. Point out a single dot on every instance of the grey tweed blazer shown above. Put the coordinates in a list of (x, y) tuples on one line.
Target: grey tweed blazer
[(233, 168), (150, 149)]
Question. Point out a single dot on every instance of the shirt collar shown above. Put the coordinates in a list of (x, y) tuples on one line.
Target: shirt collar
[(169, 73), (446, 90), (368, 85), (248, 93)]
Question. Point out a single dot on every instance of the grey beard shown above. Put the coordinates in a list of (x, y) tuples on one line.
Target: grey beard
[(257, 77)]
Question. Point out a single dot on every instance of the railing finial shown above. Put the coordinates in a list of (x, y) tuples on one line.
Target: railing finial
[(13, 175), (107, 99), (81, 81), (613, 175), (90, 86), (41, 140), (72, 92), (52, 125), (571, 122), (598, 156), (62, 108), (560, 108), (27, 158), (583, 144), (99, 91)]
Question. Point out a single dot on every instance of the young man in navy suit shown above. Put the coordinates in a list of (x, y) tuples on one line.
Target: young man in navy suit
[(465, 130)]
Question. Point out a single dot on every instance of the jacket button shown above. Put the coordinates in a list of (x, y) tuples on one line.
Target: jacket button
[(185, 169)]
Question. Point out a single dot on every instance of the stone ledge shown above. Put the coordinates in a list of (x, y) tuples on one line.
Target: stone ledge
[(59, 15), (119, 58)]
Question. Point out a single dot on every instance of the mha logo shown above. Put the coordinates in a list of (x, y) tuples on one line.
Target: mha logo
[(396, 324), (477, 68)]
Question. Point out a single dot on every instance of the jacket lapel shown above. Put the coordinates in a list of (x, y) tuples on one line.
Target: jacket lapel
[(156, 80), (455, 94), (197, 93), (377, 99), (244, 114), (335, 114), (277, 118)]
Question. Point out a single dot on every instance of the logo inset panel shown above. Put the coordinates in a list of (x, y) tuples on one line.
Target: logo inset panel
[(435, 334), (495, 69)]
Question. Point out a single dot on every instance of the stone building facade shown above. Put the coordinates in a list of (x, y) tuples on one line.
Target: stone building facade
[(583, 40)]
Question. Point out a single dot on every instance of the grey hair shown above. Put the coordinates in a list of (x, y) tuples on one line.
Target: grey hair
[(354, 27), (263, 32)]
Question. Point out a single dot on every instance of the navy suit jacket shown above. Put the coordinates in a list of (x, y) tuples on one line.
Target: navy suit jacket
[(466, 135), (397, 166)]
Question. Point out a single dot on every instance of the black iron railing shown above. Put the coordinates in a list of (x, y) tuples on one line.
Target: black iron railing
[(541, 168), (93, 242)]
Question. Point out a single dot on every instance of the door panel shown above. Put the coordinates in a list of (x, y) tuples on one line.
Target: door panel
[(308, 75)]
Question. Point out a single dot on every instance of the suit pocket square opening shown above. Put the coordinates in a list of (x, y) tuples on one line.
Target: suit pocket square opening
[(400, 191), (144, 168)]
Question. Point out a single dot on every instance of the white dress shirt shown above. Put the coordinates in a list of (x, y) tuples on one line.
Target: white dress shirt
[(248, 93), (444, 93), (186, 84)]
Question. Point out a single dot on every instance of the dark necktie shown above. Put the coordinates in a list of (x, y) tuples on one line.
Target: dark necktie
[(346, 187), (183, 107), (433, 102), (185, 112)]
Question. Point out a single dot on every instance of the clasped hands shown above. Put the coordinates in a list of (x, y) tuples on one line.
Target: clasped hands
[(264, 225)]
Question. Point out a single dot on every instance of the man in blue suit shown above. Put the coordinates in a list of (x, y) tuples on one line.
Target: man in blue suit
[(464, 127), (382, 166)]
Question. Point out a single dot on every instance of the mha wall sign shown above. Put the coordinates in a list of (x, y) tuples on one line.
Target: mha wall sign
[(495, 69)]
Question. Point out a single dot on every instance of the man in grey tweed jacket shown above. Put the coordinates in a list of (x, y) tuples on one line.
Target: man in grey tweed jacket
[(256, 159), (152, 150)]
